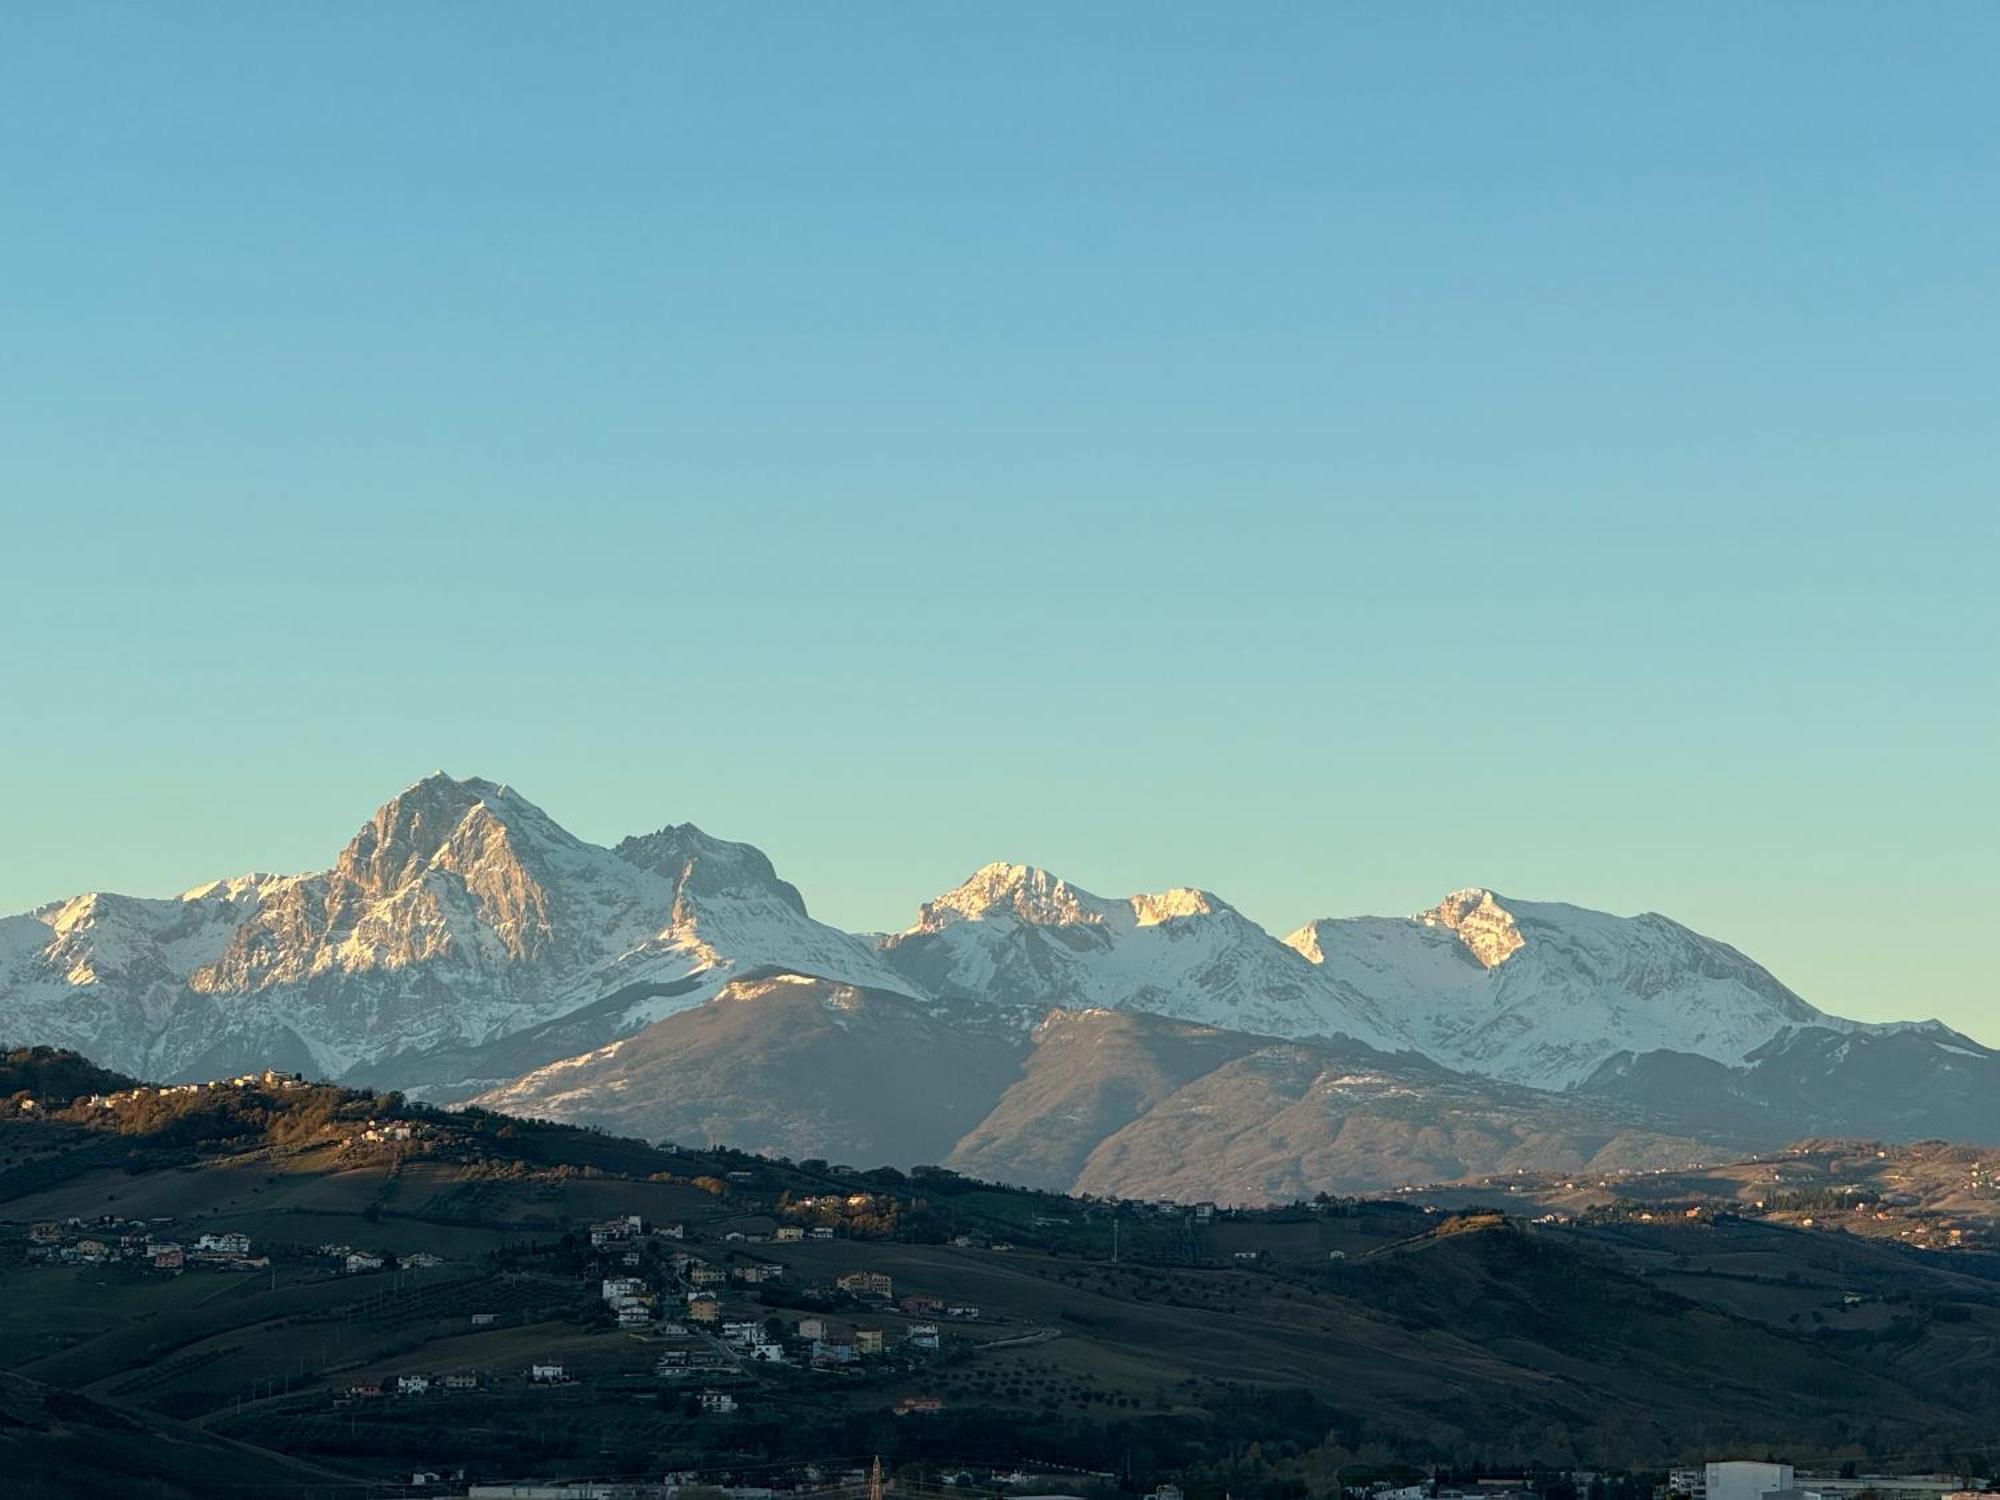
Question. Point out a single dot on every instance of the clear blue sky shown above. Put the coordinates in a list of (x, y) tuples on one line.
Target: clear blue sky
[(1329, 454)]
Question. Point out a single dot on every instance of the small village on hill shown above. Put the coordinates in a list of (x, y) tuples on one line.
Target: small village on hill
[(434, 1302)]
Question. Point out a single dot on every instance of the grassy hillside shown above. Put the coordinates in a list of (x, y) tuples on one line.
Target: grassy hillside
[(38, 1076), (1133, 1340), (57, 1445)]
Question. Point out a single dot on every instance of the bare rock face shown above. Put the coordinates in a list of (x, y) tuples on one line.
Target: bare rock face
[(1480, 922)]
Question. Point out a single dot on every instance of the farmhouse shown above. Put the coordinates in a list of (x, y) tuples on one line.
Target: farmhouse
[(616, 1231)]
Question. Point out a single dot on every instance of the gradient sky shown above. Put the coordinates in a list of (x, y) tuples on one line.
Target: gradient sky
[(1328, 454)]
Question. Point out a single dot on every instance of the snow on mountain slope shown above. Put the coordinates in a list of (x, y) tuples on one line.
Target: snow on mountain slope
[(83, 972), (463, 939), (731, 910), (459, 915), (1543, 993), (1021, 938), (1899, 1081)]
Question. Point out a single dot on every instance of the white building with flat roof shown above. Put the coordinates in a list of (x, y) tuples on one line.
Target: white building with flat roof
[(1738, 1479)]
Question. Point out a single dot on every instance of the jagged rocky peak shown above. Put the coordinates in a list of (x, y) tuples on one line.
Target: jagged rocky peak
[(439, 821), (1040, 899), (701, 865), (1000, 889), (1481, 922)]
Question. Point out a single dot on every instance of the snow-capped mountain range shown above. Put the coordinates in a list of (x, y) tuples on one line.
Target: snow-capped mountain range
[(464, 941), (461, 914)]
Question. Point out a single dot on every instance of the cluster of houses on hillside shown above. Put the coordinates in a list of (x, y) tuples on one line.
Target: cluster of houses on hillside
[(142, 1242), (387, 1133), (353, 1262), (152, 1243), (707, 1316), (268, 1079)]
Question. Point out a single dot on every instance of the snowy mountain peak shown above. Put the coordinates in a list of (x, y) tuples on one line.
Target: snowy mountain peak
[(445, 823), (1022, 939), (1182, 901), (1039, 899), (458, 915), (1539, 992), (701, 865), (1024, 892), (1481, 923)]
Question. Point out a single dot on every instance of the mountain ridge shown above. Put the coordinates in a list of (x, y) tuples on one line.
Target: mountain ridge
[(463, 943)]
